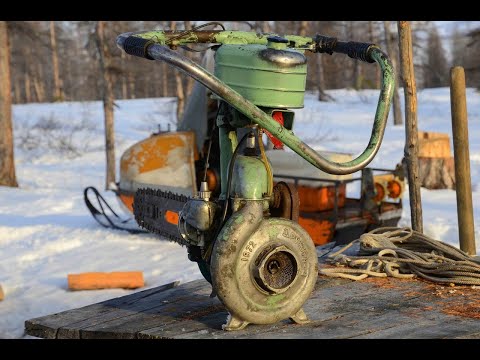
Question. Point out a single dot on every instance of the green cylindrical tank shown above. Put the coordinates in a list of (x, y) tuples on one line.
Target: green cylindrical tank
[(270, 76)]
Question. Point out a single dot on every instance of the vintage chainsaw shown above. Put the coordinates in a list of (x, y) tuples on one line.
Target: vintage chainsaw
[(261, 263)]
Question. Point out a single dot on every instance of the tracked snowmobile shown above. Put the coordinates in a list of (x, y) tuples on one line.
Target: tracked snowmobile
[(250, 217)]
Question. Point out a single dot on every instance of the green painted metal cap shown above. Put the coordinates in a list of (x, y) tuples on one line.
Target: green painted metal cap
[(265, 75)]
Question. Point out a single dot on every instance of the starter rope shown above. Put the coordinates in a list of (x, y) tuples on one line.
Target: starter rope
[(404, 253)]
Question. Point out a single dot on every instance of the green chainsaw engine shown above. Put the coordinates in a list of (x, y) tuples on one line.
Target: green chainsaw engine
[(247, 241)]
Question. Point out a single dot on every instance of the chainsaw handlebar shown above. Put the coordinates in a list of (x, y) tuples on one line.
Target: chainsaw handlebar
[(150, 47), (135, 43), (355, 50)]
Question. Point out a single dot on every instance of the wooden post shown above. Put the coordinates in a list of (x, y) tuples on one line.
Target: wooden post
[(411, 132), (461, 154)]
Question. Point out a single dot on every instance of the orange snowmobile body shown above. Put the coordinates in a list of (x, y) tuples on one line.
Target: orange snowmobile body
[(164, 161)]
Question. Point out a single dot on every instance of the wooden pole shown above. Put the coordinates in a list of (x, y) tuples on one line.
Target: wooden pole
[(411, 132), (466, 230)]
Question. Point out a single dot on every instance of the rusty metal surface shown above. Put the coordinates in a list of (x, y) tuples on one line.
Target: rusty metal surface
[(286, 203)]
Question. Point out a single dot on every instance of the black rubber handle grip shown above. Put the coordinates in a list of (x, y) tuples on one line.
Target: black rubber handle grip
[(355, 50), (137, 46)]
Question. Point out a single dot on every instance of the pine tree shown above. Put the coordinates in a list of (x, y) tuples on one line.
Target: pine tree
[(435, 68)]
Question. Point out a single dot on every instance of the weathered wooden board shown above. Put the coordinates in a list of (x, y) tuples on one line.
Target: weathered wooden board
[(338, 308)]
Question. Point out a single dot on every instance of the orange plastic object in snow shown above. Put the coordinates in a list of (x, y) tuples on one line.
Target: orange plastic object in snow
[(102, 280)]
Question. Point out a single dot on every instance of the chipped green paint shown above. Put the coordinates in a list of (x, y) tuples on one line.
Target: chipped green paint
[(277, 46), (226, 37), (272, 232), (239, 219), (274, 300), (248, 37)]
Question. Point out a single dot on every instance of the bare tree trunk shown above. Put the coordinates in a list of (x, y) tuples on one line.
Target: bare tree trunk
[(124, 78), (28, 93), (357, 75), (31, 76), (190, 80), (356, 72), (17, 93), (38, 83), (266, 27), (322, 95), (38, 90), (178, 81), (164, 80), (146, 88), (131, 85), (373, 41), (124, 88), (105, 61), (411, 131), (7, 163), (302, 29), (397, 111), (58, 94)]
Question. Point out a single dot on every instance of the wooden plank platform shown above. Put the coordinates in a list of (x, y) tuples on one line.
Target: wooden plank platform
[(338, 308)]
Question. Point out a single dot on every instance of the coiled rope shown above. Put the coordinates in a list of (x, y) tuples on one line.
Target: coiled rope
[(404, 253)]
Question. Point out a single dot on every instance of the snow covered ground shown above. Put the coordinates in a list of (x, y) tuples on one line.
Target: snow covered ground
[(46, 232)]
